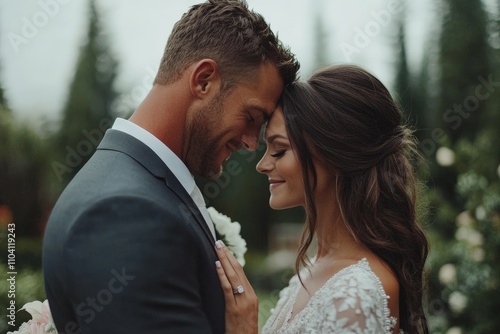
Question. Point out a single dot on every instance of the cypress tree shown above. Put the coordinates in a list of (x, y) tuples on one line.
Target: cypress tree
[(87, 112)]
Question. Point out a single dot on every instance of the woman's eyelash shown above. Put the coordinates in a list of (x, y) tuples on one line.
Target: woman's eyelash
[(278, 154)]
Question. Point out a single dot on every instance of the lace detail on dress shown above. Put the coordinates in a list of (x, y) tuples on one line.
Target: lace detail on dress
[(351, 301)]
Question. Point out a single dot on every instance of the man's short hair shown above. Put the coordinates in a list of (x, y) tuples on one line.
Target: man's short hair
[(237, 38)]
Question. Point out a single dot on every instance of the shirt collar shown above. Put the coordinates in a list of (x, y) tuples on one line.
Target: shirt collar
[(171, 160)]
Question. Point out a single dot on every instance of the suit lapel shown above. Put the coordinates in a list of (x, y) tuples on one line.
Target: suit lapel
[(115, 140), (188, 208)]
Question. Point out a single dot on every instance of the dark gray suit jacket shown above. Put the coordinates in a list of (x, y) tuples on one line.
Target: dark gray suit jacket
[(126, 250)]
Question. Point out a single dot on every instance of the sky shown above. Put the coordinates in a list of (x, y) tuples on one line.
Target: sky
[(40, 41)]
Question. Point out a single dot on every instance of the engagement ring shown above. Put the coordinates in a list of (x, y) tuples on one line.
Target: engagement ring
[(239, 290)]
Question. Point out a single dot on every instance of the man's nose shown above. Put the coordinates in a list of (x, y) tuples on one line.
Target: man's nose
[(249, 142)]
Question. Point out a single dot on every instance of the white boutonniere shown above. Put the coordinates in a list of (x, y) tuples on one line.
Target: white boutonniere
[(42, 321), (230, 234)]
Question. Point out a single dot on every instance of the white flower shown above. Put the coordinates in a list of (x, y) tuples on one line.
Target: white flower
[(221, 221), (462, 232), (30, 327), (478, 254), (458, 301), (454, 330), (230, 233), (445, 157), (42, 322), (480, 213), (447, 274), (472, 237), (498, 170), (40, 312), (464, 219)]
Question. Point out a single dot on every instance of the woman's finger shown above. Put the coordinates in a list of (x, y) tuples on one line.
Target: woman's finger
[(241, 308), (229, 269), (225, 284), (237, 267), (238, 270)]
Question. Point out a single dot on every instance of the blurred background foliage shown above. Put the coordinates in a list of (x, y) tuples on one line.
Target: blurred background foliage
[(453, 102)]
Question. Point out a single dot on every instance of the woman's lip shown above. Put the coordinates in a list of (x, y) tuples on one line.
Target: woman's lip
[(274, 183)]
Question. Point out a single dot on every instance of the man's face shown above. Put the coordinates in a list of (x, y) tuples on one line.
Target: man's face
[(232, 122)]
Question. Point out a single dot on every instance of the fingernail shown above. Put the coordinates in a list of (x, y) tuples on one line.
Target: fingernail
[(218, 244), (217, 264)]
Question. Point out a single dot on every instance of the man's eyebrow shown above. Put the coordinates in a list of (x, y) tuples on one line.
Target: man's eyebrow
[(270, 139)]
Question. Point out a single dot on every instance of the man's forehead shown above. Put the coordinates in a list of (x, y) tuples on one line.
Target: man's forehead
[(263, 107)]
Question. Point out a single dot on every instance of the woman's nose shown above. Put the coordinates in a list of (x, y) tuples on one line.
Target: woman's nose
[(264, 165)]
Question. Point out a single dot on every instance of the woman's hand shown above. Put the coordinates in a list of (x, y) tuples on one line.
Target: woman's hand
[(242, 305)]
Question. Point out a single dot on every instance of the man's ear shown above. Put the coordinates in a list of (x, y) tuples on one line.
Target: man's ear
[(205, 79)]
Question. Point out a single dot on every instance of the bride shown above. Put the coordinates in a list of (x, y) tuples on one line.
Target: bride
[(338, 148)]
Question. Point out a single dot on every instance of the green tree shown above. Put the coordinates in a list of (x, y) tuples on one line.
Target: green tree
[(22, 174), (403, 76), (3, 104), (464, 63), (410, 90), (22, 171), (320, 37), (465, 188), (87, 112)]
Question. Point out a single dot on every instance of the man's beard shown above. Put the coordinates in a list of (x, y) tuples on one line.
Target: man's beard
[(204, 146)]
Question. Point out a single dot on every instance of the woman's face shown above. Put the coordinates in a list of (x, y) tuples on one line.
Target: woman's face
[(281, 165)]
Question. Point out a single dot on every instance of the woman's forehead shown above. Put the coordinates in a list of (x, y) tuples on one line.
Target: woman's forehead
[(276, 125)]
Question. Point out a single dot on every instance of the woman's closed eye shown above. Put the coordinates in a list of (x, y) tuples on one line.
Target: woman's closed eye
[(278, 154)]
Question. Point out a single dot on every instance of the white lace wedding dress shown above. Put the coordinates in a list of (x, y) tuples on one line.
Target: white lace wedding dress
[(351, 301)]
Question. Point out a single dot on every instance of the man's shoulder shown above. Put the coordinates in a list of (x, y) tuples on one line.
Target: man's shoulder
[(110, 173), (114, 185)]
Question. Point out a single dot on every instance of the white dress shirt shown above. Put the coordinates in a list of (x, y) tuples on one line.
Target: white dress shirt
[(172, 161)]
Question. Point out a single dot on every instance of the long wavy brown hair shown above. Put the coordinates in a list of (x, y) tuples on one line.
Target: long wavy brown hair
[(346, 119)]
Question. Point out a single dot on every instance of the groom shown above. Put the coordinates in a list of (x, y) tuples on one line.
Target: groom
[(129, 245)]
